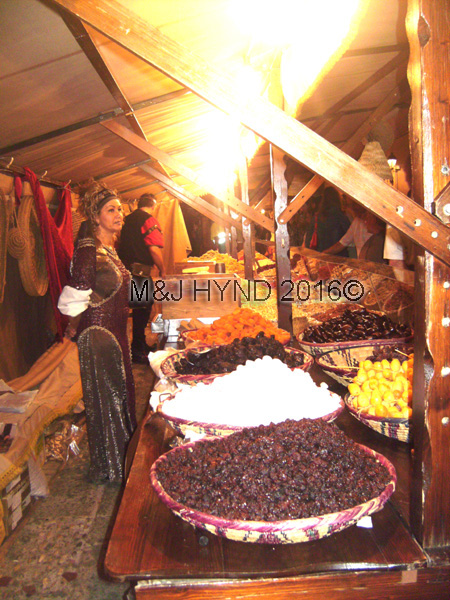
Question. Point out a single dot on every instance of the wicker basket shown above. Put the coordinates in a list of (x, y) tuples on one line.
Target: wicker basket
[(342, 365), (398, 429), (185, 427), (169, 371), (32, 266), (319, 349), (277, 532)]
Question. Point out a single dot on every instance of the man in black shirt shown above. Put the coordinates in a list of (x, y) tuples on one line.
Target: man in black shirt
[(140, 246)]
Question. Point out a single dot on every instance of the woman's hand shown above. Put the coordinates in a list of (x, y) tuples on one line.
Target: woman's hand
[(72, 327)]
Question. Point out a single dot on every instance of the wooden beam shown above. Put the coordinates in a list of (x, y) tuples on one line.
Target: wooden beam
[(282, 247), (49, 135), (204, 207), (385, 70), (260, 192), (124, 26), (151, 150), (375, 50), (429, 37), (248, 232), (313, 184), (86, 43)]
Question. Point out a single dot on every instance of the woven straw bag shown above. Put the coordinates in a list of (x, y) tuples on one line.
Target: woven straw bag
[(16, 239), (32, 266)]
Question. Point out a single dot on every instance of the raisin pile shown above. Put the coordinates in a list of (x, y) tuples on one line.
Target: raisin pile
[(225, 359), (291, 470)]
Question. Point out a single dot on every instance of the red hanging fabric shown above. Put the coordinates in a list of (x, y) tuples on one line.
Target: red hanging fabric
[(63, 218), (57, 258), (313, 243)]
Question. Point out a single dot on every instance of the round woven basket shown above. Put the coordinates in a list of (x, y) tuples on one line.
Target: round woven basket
[(398, 429), (276, 532), (319, 349), (16, 243), (186, 427), (32, 266), (168, 367), (342, 365)]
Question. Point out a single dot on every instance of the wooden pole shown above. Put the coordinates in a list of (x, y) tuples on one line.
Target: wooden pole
[(429, 78), (283, 263)]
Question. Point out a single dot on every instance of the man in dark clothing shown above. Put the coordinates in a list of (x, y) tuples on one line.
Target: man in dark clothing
[(140, 246)]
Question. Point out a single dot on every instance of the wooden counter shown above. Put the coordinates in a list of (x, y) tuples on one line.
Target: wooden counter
[(164, 557)]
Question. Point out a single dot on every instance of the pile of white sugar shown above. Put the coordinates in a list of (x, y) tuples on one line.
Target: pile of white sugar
[(260, 392)]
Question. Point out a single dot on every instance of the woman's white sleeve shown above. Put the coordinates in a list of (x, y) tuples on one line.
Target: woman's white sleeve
[(73, 302)]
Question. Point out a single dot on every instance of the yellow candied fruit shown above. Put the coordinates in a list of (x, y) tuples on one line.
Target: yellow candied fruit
[(354, 389), (381, 411), (361, 376), (377, 366), (367, 364), (363, 400), (366, 387), (396, 365)]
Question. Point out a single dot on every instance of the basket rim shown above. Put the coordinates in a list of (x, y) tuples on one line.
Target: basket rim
[(374, 418), (307, 523), (179, 422), (170, 373), (356, 343)]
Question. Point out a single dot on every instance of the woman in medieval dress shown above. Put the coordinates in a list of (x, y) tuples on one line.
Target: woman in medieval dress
[(96, 302)]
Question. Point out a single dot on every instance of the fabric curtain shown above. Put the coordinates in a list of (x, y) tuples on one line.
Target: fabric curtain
[(57, 257)]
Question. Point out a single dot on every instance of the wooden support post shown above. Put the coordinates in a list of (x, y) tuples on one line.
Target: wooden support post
[(283, 263), (233, 230), (247, 228), (429, 65)]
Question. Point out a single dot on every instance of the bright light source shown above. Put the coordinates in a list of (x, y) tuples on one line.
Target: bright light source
[(222, 237)]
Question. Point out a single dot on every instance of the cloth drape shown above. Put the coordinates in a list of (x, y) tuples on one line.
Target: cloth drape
[(63, 218), (57, 257)]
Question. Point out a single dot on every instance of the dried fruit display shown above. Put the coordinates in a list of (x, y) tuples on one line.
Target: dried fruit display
[(242, 322), (383, 388), (356, 325), (292, 470), (226, 358)]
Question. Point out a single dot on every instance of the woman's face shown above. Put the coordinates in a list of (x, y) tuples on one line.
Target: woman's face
[(110, 218)]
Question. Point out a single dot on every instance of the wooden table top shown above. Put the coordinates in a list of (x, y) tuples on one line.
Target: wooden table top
[(148, 542)]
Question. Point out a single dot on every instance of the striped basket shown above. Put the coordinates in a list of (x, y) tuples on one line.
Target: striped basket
[(276, 532), (320, 349), (168, 367), (342, 365), (186, 427), (398, 429)]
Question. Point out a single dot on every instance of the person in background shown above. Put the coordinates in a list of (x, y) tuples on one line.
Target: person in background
[(96, 302), (328, 225), (373, 248), (356, 235), (140, 246)]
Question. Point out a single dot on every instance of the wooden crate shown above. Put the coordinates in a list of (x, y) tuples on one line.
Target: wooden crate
[(199, 295)]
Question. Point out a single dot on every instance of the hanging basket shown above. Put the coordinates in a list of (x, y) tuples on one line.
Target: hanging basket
[(32, 266), (16, 243)]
